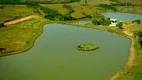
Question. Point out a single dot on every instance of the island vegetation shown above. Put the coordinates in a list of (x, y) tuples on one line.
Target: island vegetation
[(87, 47)]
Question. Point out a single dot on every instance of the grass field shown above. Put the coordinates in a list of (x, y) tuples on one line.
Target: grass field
[(12, 11), (20, 37), (131, 1)]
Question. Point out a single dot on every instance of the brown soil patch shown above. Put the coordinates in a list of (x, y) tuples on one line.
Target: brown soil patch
[(128, 25), (21, 19)]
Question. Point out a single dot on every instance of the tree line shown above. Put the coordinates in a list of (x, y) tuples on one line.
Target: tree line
[(138, 34), (106, 22), (103, 21), (39, 1)]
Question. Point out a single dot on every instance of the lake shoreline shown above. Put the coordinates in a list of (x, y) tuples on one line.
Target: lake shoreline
[(128, 66), (32, 42), (130, 63), (132, 51)]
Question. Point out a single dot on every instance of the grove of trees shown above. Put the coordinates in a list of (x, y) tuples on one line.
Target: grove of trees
[(104, 22), (139, 35), (55, 15)]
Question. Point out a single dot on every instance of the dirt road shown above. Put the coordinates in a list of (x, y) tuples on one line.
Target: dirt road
[(21, 19)]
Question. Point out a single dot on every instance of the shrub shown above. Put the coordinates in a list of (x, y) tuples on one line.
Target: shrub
[(69, 8), (139, 35), (89, 16), (74, 1), (120, 24), (137, 21), (140, 41), (2, 25)]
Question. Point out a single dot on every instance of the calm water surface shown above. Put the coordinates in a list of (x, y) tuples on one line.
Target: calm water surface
[(123, 16), (55, 56)]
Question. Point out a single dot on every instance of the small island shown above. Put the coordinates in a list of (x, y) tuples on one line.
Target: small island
[(87, 47)]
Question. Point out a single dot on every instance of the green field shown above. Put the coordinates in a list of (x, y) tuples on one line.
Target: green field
[(12, 11), (20, 37)]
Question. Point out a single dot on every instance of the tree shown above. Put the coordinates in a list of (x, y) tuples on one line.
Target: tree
[(138, 33), (96, 22), (2, 25), (74, 0), (86, 1), (68, 17), (140, 41), (71, 10), (89, 16), (137, 21), (119, 24)]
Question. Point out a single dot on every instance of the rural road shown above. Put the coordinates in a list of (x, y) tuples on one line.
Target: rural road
[(21, 19)]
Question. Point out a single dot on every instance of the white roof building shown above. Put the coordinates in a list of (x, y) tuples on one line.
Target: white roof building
[(114, 22)]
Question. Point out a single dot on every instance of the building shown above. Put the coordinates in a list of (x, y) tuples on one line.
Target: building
[(114, 22)]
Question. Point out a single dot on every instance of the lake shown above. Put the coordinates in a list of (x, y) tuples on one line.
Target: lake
[(55, 56), (120, 16), (123, 16)]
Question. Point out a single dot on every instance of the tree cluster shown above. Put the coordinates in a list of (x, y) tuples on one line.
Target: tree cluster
[(108, 7), (69, 8), (104, 22), (119, 24), (139, 35), (55, 15), (137, 21)]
